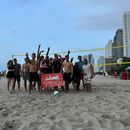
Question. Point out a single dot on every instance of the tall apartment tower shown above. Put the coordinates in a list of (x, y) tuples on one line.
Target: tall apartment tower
[(90, 59), (101, 60), (117, 50), (126, 33), (108, 49)]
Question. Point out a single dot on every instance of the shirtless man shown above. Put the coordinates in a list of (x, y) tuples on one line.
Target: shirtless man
[(67, 67), (25, 72), (33, 75)]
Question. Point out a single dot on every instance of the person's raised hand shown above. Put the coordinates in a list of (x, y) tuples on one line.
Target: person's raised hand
[(26, 54), (48, 48)]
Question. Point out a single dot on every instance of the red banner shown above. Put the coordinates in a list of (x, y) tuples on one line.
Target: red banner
[(52, 80)]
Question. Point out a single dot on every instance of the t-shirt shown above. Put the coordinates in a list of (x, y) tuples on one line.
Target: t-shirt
[(86, 70), (50, 68), (44, 67), (57, 65), (76, 72), (79, 65), (17, 69)]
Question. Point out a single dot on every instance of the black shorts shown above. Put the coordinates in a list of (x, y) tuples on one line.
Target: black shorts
[(25, 76), (33, 76), (67, 77), (10, 74), (17, 78)]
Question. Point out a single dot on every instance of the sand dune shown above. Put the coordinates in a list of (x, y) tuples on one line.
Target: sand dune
[(106, 108)]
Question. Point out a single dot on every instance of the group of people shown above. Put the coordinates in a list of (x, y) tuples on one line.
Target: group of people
[(33, 68)]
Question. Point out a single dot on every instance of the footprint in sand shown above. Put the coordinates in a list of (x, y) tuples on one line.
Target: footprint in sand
[(34, 125), (52, 117), (90, 123), (5, 112), (75, 120), (55, 126), (125, 122), (1, 108), (11, 125), (127, 128), (107, 116), (115, 125)]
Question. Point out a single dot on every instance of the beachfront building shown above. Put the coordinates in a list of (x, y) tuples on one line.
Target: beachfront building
[(126, 33), (109, 61), (91, 59), (117, 45), (108, 49), (101, 62)]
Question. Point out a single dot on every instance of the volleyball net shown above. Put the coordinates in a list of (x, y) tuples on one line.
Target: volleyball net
[(97, 54)]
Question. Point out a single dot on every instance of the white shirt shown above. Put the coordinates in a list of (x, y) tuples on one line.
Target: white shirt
[(86, 70)]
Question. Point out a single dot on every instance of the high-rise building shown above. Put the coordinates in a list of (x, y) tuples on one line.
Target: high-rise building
[(109, 61), (90, 59), (117, 45), (101, 62), (108, 49), (126, 33)]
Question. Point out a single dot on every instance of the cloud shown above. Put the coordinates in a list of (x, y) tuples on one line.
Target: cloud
[(101, 14)]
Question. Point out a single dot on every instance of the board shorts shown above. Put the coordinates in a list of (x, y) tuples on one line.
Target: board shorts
[(25, 76), (10, 74), (67, 77), (86, 79), (33, 76), (17, 78)]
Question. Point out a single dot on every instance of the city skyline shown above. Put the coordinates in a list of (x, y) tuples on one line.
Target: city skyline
[(119, 46)]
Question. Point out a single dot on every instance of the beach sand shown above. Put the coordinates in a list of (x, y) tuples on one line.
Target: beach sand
[(106, 108)]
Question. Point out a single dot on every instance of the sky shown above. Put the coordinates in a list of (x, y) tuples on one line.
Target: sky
[(59, 24)]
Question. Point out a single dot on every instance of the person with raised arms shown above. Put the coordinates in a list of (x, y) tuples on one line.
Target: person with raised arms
[(67, 68), (33, 75), (44, 68)]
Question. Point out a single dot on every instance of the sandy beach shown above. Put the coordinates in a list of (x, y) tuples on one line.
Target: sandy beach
[(106, 108)]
